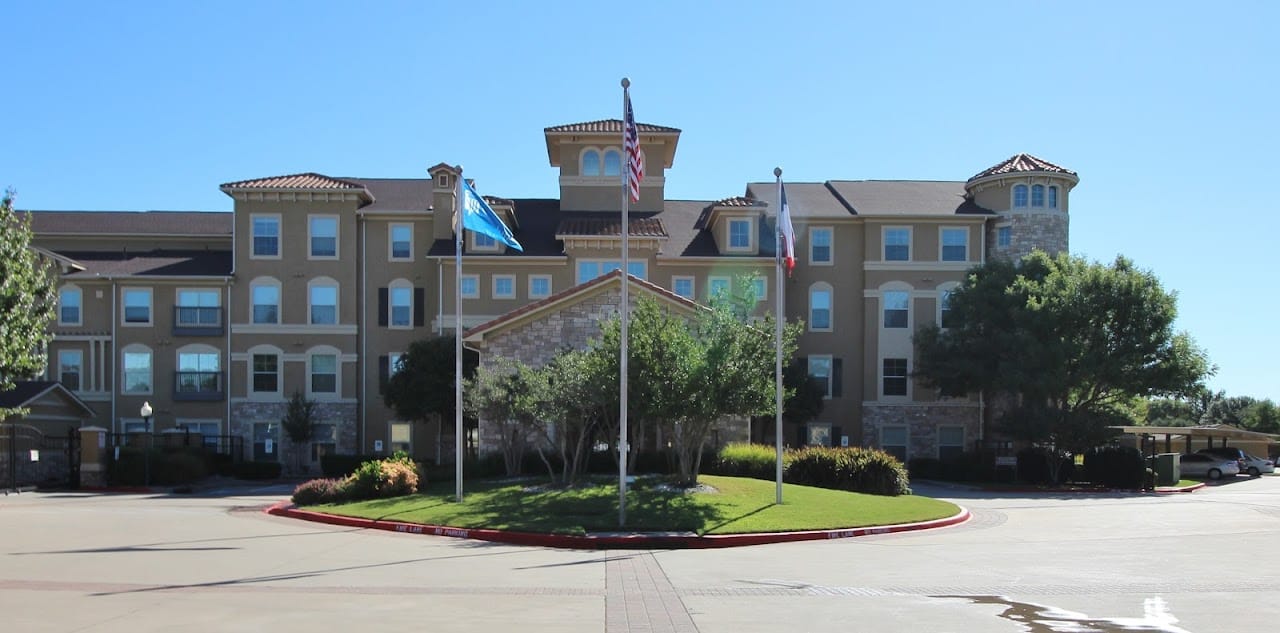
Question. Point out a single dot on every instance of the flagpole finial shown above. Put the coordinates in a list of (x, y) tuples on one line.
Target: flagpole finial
[(459, 170), (777, 172), (626, 83)]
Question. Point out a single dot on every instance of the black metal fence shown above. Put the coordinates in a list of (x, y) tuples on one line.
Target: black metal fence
[(29, 457), (170, 457)]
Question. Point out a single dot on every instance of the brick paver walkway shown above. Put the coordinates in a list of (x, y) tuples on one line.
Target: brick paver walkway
[(639, 597)]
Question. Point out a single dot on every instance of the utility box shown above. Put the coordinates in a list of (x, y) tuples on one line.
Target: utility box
[(1168, 469)]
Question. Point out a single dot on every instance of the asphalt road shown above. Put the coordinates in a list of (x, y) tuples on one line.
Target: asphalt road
[(1204, 562)]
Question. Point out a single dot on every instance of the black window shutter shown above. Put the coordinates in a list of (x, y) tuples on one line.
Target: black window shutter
[(382, 306), (384, 373), (837, 377), (836, 432), (419, 307), (802, 435)]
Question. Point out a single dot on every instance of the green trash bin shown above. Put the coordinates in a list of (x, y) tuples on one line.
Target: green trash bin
[(1168, 469)]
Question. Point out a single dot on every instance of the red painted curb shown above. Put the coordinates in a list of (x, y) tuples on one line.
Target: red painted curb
[(609, 541), (1166, 490)]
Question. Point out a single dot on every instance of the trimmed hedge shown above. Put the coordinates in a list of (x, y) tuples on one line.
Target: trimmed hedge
[(163, 467), (257, 470), (758, 461), (853, 468), (339, 466), (1115, 467)]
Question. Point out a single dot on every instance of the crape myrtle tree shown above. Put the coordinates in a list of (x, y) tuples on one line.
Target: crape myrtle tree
[(422, 387), (1070, 341), (508, 394), (28, 299), (299, 424)]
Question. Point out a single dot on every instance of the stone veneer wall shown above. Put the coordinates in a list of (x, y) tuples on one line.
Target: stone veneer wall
[(341, 414), (1047, 231), (922, 423)]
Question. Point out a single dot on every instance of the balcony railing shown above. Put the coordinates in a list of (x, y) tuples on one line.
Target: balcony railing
[(198, 386), (192, 321)]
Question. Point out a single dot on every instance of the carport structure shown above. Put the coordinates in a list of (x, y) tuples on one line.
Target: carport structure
[(1192, 438)]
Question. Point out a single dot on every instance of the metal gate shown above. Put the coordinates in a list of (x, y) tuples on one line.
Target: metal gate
[(29, 458)]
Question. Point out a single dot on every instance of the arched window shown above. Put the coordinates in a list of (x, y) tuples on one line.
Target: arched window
[(1019, 196), (612, 163), (264, 300), (1037, 195), (1053, 196), (591, 163)]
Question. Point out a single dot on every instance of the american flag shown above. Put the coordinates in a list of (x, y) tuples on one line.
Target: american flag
[(631, 145)]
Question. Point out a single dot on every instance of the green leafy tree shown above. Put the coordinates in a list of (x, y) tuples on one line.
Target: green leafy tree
[(1262, 416), (508, 394), (578, 402), (1072, 342), (299, 424), (28, 300), (1228, 410), (422, 387)]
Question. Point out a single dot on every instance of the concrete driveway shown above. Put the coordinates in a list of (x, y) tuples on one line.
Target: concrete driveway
[(1202, 562)]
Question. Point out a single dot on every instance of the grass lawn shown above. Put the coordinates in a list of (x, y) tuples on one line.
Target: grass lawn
[(739, 505)]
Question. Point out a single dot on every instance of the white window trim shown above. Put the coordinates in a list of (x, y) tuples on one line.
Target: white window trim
[(830, 369), (536, 295), (693, 286), (79, 310), (711, 283), (266, 350), (473, 247), (494, 286), (880, 389), (884, 307), (728, 236), (399, 284), (151, 306), (582, 157), (1004, 225), (196, 348), (391, 232), (942, 231), (831, 310), (337, 236), (764, 288), (390, 435), (937, 446), (644, 267), (273, 283), (442, 181), (831, 246), (138, 348), (906, 431), (472, 295), (253, 217), (325, 350), (79, 363), (884, 243), (1013, 196), (325, 282)]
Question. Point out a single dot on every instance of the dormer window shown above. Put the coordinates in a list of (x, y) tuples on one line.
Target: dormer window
[(442, 181), (591, 163), (1019, 196), (612, 163), (606, 162), (739, 234)]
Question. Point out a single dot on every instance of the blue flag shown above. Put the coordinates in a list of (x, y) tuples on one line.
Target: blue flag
[(478, 216)]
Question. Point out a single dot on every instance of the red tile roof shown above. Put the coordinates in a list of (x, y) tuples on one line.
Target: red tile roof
[(309, 180), (608, 126), (739, 201), (1022, 163), (605, 227)]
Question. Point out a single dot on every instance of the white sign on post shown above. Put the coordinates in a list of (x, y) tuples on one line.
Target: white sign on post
[(35, 455), (377, 446)]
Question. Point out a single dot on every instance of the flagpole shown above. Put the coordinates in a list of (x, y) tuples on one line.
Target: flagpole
[(622, 380), (457, 333), (777, 335)]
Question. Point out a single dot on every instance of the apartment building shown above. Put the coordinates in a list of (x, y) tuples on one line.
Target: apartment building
[(314, 284)]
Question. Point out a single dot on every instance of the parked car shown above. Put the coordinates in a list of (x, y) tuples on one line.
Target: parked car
[(1227, 452), (1204, 465), (1258, 466)]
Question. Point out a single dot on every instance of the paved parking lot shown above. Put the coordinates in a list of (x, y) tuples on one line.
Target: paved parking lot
[(1203, 562)]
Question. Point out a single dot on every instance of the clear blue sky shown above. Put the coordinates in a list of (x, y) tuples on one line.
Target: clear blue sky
[(1167, 110)]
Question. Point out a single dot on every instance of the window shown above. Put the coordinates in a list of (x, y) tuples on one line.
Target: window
[(442, 181), (137, 306), (893, 440), (896, 308), (682, 286), (759, 288), (820, 369), (1037, 195), (266, 303), (820, 246), (324, 236), (818, 434), (471, 286), (897, 245), (393, 363), (946, 319), (591, 163), (266, 373), (401, 299), (504, 286), (950, 442), (539, 286), (1004, 236), (265, 439), (483, 243), (401, 437), (198, 308), (197, 373), (70, 366), (590, 269), (955, 244), (895, 376), (137, 370), (1019, 196), (739, 234), (69, 303), (612, 163), (717, 286), (820, 308), (324, 440), (401, 238), (208, 430), (324, 304), (1053, 196), (324, 373), (266, 236)]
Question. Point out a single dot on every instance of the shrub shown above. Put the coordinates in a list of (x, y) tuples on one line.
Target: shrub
[(854, 469), (1115, 467), (318, 491), (970, 466), (256, 470), (1033, 466), (339, 466), (395, 476), (740, 459)]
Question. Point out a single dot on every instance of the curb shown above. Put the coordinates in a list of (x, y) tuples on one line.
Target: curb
[(638, 540), (1166, 490), (1096, 491)]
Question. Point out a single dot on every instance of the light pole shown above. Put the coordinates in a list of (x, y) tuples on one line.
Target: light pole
[(146, 427)]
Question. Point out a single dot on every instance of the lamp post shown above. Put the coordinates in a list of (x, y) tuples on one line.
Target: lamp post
[(146, 411)]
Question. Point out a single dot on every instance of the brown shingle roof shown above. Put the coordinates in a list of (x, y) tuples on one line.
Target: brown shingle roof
[(607, 126), (162, 263), (308, 180), (904, 197), (184, 223), (1022, 163), (608, 227)]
